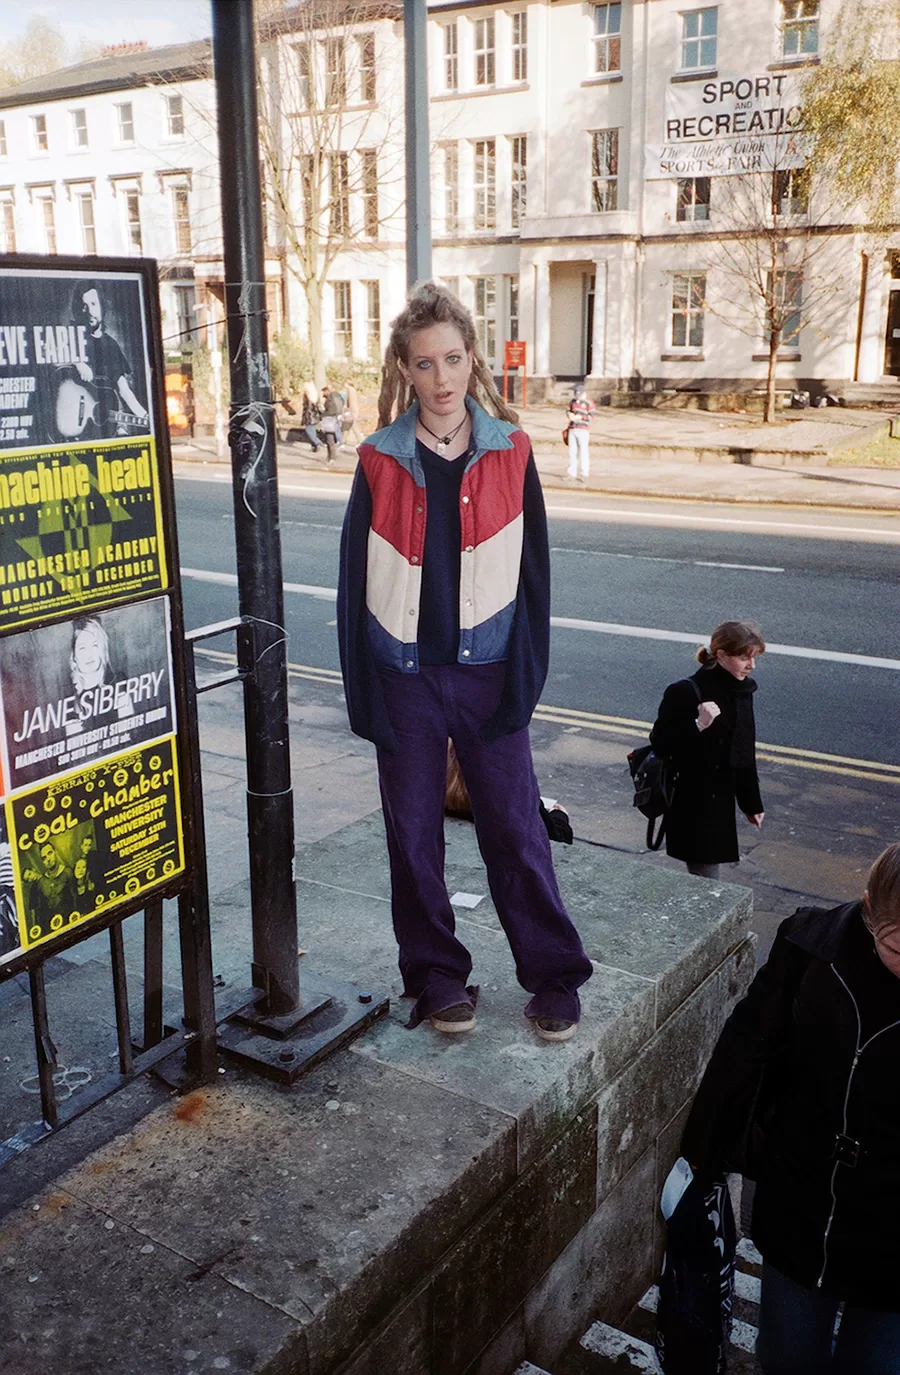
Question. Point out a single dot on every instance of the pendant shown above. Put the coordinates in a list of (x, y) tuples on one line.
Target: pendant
[(441, 446)]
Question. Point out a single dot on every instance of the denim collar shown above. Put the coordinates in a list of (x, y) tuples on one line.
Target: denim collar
[(399, 438)]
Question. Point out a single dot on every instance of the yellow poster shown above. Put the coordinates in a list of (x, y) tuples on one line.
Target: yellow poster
[(80, 527), (87, 843)]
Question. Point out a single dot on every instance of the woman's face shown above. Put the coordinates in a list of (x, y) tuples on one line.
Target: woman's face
[(87, 653), (439, 367), (740, 665)]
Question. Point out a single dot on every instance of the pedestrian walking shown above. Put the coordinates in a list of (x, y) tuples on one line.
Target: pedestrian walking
[(331, 424), (706, 728), (443, 622), (579, 415), (802, 1093), (311, 415)]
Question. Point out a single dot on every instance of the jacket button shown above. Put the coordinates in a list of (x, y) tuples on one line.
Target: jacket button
[(468, 603), (414, 559), (469, 548), (418, 510), (412, 610), (465, 501), (410, 663), (466, 653)]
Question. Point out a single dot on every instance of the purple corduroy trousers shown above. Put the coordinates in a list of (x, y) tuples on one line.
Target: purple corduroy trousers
[(427, 708)]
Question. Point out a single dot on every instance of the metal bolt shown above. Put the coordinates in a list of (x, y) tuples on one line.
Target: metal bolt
[(286, 1056), (365, 997)]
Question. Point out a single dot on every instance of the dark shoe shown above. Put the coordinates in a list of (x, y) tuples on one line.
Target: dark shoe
[(554, 1028), (459, 1017)]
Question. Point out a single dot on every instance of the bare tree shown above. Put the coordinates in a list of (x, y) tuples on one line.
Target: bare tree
[(40, 50), (770, 268), (329, 139)]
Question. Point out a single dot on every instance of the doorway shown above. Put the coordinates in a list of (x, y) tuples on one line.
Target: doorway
[(892, 338)]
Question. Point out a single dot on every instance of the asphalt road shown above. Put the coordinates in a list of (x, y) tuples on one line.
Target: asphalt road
[(631, 585)]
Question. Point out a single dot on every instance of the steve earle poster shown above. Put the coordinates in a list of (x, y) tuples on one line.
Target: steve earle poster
[(76, 691), (73, 358), (80, 514)]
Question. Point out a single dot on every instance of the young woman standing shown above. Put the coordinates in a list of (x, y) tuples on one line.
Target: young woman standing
[(444, 627), (706, 726)]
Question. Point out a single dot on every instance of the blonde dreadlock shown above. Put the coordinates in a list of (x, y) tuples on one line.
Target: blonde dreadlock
[(429, 305)]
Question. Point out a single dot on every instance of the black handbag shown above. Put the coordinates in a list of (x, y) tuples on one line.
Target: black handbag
[(654, 777), (696, 1287)]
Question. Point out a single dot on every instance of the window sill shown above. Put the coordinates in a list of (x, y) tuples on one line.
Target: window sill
[(603, 79), (686, 357), (786, 64), (779, 357), (476, 91), (702, 74)]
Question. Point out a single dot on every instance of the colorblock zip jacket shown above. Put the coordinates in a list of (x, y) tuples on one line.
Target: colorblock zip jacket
[(504, 598)]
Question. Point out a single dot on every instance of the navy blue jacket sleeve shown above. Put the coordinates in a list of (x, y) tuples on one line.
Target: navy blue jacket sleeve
[(529, 648), (362, 685)]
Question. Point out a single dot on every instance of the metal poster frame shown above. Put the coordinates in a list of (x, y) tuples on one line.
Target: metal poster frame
[(81, 447)]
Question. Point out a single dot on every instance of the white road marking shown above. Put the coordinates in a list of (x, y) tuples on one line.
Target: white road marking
[(640, 632), (327, 594), (659, 558), (689, 519), (643, 632), (743, 567)]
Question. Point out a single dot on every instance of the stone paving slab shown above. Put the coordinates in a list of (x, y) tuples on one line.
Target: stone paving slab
[(60, 1255)]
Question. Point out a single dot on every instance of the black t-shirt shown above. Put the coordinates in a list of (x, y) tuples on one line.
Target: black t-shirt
[(438, 641), (107, 360)]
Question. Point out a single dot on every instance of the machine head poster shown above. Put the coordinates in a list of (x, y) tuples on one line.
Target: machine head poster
[(80, 517), (76, 691), (87, 843)]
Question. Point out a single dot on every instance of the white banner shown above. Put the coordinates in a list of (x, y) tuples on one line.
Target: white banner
[(729, 125), (724, 157)]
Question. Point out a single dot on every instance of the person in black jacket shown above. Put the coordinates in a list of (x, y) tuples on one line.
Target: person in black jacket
[(803, 1092), (705, 726)]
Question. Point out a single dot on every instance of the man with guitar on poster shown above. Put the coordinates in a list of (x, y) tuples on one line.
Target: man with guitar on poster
[(105, 404)]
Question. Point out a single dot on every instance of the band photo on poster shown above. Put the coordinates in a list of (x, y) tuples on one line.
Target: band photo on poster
[(10, 935), (90, 842), (74, 357), (77, 691)]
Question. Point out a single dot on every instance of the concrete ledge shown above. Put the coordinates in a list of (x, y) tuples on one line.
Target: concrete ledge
[(418, 1203)]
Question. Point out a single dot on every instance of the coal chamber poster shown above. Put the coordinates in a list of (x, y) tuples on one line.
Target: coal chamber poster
[(80, 512), (88, 842)]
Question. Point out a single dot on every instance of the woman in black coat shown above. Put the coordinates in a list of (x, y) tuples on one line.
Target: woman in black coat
[(811, 1057), (706, 727)]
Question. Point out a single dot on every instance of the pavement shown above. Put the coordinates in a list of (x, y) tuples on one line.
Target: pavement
[(689, 455)]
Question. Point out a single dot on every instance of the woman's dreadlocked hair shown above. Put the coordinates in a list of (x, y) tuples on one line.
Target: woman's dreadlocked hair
[(429, 305)]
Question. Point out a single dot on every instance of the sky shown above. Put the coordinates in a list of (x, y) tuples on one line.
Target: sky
[(111, 21)]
